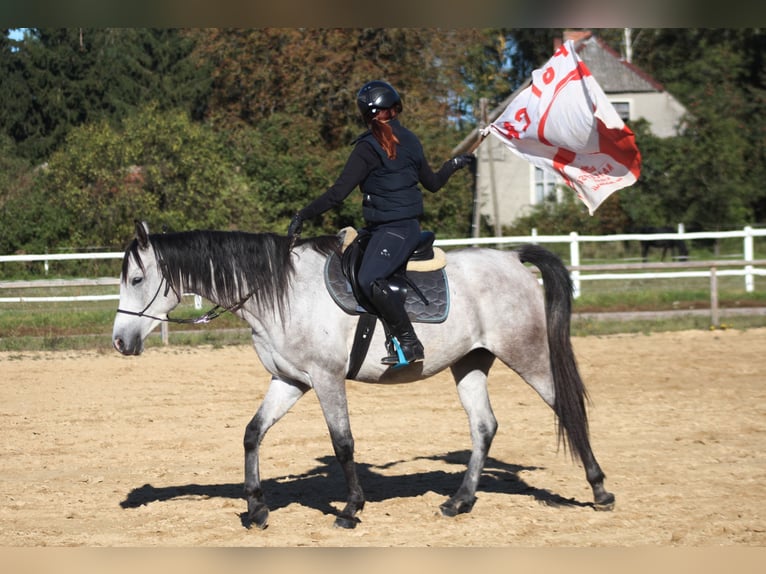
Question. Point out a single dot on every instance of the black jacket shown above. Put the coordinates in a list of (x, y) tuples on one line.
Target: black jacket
[(390, 187)]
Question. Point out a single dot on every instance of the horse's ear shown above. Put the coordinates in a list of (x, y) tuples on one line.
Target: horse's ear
[(142, 234)]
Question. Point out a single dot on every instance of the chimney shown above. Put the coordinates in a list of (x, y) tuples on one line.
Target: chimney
[(576, 35)]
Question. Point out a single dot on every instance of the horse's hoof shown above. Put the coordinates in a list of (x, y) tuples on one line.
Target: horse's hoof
[(448, 510), (348, 522), (606, 504), (454, 507), (259, 517)]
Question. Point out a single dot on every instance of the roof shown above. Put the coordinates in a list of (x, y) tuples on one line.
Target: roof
[(613, 74)]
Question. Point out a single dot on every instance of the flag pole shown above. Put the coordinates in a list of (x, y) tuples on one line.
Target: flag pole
[(482, 136), (476, 217)]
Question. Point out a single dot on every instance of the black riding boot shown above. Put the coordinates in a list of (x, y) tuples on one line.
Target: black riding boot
[(390, 306)]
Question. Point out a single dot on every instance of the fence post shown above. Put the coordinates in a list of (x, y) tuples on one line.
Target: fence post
[(749, 256), (574, 261), (714, 317), (164, 333)]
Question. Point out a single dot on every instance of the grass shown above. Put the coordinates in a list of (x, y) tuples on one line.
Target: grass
[(88, 325), (29, 326), (582, 327), (647, 295), (665, 294)]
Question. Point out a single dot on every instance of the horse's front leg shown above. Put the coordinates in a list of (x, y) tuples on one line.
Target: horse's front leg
[(280, 396), (332, 399)]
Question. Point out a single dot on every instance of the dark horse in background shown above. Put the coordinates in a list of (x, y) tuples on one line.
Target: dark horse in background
[(677, 247)]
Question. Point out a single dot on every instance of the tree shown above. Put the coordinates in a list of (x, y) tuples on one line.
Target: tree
[(754, 110), (306, 82), (718, 74), (156, 165), (14, 93), (282, 169), (246, 126), (656, 198), (316, 72), (67, 77)]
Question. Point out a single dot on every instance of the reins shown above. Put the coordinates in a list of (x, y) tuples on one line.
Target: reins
[(206, 317)]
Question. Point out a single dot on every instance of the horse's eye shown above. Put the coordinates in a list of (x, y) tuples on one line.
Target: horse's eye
[(136, 280)]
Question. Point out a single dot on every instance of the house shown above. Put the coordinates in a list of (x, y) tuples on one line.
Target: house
[(507, 186)]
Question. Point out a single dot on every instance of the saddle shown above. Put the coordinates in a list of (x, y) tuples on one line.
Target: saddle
[(423, 281)]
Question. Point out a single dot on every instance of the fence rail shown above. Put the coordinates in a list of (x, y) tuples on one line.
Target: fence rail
[(745, 267)]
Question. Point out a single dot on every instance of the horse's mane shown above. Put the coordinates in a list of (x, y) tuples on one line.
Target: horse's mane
[(234, 265)]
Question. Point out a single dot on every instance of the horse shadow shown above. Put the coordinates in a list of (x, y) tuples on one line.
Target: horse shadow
[(316, 488)]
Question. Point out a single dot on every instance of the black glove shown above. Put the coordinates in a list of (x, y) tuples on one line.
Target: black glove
[(460, 161), (296, 225)]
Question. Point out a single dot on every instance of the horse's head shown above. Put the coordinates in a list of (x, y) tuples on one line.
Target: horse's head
[(146, 296)]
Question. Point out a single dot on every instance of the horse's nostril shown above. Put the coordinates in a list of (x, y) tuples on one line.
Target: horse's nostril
[(118, 344)]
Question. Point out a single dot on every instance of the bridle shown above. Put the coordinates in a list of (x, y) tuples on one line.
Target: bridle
[(202, 319)]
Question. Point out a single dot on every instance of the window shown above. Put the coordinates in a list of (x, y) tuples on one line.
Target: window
[(545, 185), (623, 109)]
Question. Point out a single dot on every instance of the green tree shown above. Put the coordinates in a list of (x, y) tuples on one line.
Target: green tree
[(249, 125), (754, 110), (14, 91), (714, 178), (656, 198), (156, 165), (67, 77), (282, 165), (16, 201), (316, 72), (305, 81)]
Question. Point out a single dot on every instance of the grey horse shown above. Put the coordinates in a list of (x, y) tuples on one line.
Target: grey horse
[(497, 310)]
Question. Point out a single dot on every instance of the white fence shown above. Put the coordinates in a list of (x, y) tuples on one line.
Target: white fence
[(43, 283), (746, 266), (748, 270)]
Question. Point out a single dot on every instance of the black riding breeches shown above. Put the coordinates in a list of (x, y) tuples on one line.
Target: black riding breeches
[(389, 247)]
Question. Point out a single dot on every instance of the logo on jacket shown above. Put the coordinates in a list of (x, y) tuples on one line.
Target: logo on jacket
[(385, 253)]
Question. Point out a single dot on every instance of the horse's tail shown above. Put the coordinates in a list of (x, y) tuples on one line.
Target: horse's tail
[(569, 403)]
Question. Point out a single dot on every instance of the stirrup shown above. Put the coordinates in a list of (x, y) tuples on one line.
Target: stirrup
[(398, 359)]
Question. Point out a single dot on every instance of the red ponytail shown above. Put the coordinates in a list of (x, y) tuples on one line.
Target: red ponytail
[(383, 132)]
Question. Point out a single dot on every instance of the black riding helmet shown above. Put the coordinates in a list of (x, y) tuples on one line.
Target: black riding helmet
[(375, 96)]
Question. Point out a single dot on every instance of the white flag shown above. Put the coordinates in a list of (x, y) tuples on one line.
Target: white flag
[(564, 122)]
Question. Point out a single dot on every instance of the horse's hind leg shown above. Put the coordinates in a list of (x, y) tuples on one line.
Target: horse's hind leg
[(280, 396), (542, 381), (602, 498), (471, 376)]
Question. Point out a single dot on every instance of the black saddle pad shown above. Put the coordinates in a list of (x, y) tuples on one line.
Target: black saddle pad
[(433, 285)]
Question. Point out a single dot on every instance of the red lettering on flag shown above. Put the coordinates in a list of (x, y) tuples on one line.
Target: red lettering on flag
[(620, 144)]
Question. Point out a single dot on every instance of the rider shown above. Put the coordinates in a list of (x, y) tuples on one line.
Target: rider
[(387, 163)]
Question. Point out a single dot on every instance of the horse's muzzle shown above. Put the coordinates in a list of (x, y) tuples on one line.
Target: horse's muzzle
[(134, 347)]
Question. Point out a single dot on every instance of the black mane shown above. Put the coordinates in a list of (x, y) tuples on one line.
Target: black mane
[(234, 265)]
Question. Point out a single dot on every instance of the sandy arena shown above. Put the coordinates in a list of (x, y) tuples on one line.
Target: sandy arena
[(104, 450)]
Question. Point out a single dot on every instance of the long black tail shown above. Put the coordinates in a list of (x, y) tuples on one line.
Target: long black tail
[(571, 395)]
